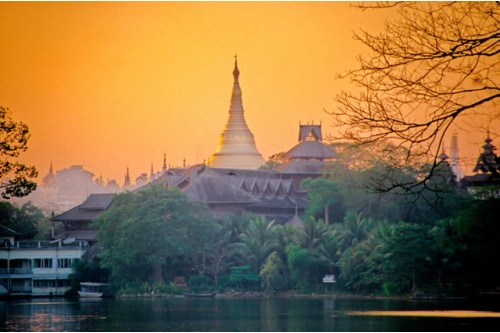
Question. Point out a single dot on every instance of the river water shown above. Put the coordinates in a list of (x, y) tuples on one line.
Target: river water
[(246, 314)]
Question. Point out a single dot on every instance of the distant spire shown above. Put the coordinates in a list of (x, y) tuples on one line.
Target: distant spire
[(51, 170), (126, 183), (455, 160), (151, 174), (443, 156), (164, 168), (236, 72)]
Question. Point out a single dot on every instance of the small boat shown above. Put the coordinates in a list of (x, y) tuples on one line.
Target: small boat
[(93, 289), (199, 294)]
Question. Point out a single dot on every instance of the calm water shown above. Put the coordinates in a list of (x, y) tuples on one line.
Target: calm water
[(221, 314)]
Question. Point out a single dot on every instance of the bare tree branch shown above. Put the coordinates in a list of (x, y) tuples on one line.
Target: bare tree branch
[(436, 63)]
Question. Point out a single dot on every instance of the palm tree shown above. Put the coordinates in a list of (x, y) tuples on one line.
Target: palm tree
[(258, 241)]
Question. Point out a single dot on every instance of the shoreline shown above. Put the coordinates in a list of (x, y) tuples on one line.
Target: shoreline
[(228, 295)]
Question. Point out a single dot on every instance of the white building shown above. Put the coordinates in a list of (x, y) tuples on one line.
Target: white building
[(38, 268)]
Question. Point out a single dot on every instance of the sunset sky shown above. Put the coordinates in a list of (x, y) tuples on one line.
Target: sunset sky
[(117, 84)]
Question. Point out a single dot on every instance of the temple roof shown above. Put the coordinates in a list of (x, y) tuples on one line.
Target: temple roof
[(7, 232), (89, 210), (210, 187), (306, 131), (310, 150), (296, 221), (302, 167)]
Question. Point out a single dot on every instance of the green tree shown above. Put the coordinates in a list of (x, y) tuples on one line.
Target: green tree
[(309, 258), (446, 247), (272, 269), (144, 231), (478, 231), (407, 250), (223, 252), (16, 179), (258, 241), (24, 219), (325, 199), (362, 264)]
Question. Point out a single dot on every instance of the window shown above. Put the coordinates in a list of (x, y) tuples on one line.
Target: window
[(52, 283), (66, 262), (43, 263)]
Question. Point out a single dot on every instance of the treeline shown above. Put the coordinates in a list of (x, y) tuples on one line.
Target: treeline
[(434, 239)]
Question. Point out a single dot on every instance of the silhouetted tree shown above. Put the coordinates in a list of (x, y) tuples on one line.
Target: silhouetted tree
[(15, 177), (436, 63), (24, 219)]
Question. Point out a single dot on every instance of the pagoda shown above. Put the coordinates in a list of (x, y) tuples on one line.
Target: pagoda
[(236, 148)]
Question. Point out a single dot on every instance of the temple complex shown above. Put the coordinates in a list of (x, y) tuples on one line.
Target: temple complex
[(232, 180), (487, 170), (236, 148)]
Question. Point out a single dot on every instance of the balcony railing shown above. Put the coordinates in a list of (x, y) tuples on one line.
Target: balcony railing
[(40, 244), (14, 271)]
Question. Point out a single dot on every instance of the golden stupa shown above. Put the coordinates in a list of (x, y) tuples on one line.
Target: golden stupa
[(236, 148)]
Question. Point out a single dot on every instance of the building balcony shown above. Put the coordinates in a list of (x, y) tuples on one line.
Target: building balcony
[(40, 244), (15, 271)]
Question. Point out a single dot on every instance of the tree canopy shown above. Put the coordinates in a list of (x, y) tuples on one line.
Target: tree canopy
[(16, 179), (24, 219), (436, 63), (143, 232)]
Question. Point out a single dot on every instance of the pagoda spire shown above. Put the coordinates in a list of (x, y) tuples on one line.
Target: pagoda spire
[(236, 148), (164, 167), (126, 183), (236, 72)]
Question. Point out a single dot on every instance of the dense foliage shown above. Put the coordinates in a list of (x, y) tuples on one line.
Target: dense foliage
[(148, 234), (16, 178), (25, 219), (437, 241)]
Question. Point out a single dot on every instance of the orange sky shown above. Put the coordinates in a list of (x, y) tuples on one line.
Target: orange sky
[(117, 84)]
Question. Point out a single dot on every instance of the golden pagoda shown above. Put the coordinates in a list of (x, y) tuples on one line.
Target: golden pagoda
[(236, 148)]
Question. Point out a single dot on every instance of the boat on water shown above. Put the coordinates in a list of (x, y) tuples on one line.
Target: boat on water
[(93, 289), (199, 294)]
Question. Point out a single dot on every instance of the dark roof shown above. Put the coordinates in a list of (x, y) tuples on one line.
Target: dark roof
[(100, 201), (210, 187), (310, 150), (480, 179), (305, 130), (296, 221), (7, 232), (92, 251), (89, 210), (302, 167)]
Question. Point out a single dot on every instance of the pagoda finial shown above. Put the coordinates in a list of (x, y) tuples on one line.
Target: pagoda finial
[(236, 72), (126, 183), (164, 168)]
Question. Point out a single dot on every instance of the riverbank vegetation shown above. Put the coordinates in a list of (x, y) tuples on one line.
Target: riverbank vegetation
[(437, 241)]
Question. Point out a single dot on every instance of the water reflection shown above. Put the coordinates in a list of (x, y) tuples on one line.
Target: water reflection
[(251, 314), (435, 313), (47, 315)]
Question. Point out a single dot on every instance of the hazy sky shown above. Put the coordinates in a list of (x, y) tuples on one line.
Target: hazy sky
[(117, 84)]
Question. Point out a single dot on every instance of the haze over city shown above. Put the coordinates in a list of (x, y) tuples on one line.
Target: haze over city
[(116, 85)]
